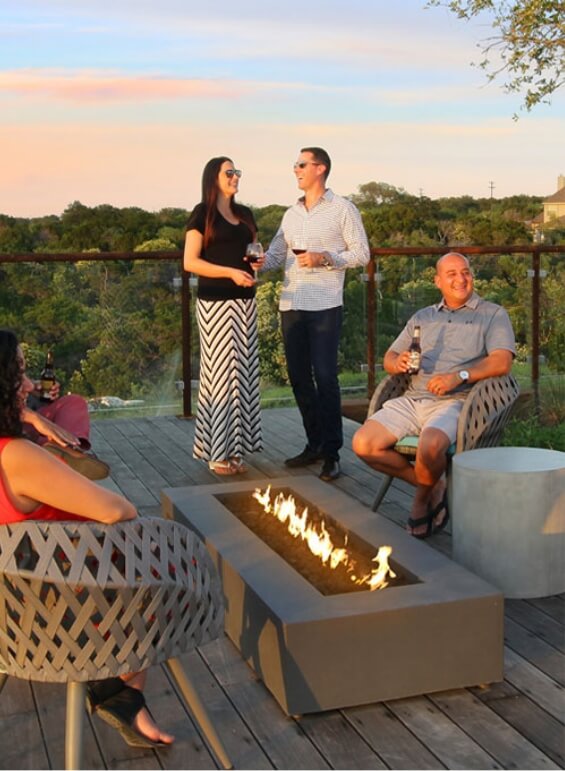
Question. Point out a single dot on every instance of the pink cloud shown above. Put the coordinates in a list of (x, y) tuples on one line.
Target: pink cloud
[(96, 87)]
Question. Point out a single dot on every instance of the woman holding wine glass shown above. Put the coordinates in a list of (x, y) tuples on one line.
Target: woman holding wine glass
[(219, 234)]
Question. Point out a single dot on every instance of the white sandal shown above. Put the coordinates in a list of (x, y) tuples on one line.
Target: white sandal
[(238, 465)]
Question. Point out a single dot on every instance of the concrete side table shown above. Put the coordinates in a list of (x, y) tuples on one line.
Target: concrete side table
[(508, 508)]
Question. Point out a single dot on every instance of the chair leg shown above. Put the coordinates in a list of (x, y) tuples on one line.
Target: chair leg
[(383, 489), (198, 710), (3, 679), (74, 731)]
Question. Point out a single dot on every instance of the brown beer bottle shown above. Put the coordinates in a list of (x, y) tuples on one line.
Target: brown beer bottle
[(47, 378), (415, 352)]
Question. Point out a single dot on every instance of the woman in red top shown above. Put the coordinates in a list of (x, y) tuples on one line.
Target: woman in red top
[(36, 485)]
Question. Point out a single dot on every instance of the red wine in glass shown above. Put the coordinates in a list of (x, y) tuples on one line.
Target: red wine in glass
[(253, 253)]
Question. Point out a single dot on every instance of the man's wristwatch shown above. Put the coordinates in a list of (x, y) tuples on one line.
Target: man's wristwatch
[(463, 375), (326, 261)]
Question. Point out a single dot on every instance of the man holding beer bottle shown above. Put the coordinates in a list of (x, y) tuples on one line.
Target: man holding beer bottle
[(462, 339)]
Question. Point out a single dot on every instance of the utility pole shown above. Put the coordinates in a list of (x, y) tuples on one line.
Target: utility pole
[(491, 185)]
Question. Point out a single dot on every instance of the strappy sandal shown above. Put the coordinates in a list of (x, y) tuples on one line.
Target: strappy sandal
[(120, 711), (222, 467), (239, 465)]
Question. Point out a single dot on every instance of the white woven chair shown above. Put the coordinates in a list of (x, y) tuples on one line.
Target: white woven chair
[(485, 412), (83, 601)]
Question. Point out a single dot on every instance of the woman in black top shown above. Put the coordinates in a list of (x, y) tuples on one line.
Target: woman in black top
[(228, 421)]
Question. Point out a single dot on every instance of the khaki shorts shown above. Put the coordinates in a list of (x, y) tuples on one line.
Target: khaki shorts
[(405, 416)]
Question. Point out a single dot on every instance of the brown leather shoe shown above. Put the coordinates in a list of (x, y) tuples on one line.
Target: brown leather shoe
[(86, 463)]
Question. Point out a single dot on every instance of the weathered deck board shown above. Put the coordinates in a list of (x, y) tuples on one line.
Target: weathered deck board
[(514, 724)]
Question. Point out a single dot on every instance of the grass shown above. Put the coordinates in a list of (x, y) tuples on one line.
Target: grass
[(525, 429), (546, 428)]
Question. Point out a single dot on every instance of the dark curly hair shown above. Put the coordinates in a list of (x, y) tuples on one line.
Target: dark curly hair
[(10, 381)]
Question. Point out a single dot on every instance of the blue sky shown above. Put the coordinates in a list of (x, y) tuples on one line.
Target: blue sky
[(123, 102)]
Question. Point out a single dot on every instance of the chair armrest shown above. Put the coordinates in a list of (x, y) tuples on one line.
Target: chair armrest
[(389, 388), (485, 412)]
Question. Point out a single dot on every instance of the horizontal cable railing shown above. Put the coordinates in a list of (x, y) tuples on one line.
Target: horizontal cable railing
[(371, 293)]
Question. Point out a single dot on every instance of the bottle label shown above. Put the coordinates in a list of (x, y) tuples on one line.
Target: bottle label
[(414, 361), (46, 386)]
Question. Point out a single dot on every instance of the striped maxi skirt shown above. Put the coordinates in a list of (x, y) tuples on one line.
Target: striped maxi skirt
[(228, 418)]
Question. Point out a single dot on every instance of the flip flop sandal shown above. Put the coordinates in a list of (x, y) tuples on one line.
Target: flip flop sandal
[(441, 506), (222, 467), (120, 712), (427, 520)]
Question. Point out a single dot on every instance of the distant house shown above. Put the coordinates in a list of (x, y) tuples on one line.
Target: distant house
[(553, 214)]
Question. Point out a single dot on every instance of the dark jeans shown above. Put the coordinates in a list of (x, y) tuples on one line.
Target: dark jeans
[(311, 340)]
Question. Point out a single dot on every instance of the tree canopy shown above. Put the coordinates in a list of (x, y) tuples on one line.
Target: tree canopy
[(527, 47)]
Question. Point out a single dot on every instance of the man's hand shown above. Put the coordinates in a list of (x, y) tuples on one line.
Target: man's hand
[(443, 384), (54, 393), (310, 259), (401, 363)]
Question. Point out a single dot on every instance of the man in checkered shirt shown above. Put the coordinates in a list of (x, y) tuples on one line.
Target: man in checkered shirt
[(319, 238)]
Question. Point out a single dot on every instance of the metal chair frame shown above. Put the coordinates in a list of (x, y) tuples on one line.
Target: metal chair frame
[(485, 412), (83, 601)]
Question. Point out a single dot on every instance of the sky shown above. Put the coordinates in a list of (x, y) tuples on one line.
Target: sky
[(122, 102)]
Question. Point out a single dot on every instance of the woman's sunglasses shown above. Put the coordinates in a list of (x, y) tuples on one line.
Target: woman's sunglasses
[(230, 172)]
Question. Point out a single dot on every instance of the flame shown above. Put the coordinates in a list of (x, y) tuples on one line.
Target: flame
[(320, 543)]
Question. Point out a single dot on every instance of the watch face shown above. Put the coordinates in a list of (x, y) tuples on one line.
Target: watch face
[(464, 375)]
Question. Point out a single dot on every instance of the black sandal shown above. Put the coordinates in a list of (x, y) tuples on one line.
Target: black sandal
[(97, 691), (427, 520), (120, 710), (441, 506)]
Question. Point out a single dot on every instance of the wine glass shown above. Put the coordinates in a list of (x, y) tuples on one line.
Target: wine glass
[(298, 246), (254, 252)]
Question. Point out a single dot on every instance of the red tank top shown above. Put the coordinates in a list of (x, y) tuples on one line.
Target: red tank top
[(9, 513)]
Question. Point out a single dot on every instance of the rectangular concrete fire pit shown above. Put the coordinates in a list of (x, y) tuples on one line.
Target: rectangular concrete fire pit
[(314, 652)]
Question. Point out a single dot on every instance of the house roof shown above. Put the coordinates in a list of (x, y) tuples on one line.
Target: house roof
[(558, 197)]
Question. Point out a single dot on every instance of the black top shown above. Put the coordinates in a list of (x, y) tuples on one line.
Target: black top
[(227, 248)]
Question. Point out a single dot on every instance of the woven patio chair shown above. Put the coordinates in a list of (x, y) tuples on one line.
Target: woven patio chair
[(84, 601), (485, 412)]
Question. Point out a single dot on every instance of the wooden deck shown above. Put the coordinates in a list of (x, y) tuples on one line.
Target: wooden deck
[(514, 724)]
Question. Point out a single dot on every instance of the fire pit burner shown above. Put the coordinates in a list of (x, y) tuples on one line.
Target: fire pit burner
[(274, 534), (317, 652)]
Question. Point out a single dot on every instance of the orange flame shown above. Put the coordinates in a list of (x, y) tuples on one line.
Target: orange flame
[(320, 543)]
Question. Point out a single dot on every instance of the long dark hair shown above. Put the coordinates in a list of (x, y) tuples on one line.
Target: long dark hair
[(210, 199), (10, 381)]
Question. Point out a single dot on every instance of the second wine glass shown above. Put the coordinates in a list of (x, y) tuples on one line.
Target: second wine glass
[(254, 252)]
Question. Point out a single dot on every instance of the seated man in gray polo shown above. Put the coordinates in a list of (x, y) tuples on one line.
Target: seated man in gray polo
[(463, 339)]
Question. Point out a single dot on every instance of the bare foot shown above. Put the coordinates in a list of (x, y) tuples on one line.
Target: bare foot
[(418, 525), (146, 726), (437, 504)]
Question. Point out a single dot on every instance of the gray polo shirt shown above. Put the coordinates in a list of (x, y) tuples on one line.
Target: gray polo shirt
[(452, 340)]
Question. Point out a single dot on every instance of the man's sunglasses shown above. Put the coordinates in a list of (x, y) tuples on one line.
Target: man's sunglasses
[(303, 164), (230, 172)]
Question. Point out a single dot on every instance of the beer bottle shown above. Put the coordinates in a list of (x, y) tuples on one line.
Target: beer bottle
[(47, 378), (415, 351)]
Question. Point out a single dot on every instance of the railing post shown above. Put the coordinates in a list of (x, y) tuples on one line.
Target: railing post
[(536, 326), (186, 345), (371, 315)]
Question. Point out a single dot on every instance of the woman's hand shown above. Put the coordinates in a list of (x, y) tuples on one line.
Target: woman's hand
[(242, 278), (47, 428)]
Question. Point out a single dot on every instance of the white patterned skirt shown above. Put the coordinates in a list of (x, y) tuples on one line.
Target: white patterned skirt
[(228, 418)]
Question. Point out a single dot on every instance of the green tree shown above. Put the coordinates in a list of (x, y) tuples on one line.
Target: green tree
[(528, 45)]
